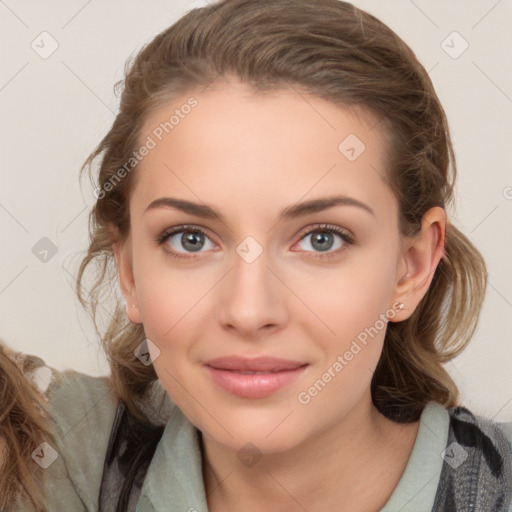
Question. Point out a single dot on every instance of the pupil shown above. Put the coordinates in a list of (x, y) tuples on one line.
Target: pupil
[(194, 239), (322, 237)]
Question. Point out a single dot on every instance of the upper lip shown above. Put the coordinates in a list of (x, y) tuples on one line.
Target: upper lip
[(257, 364)]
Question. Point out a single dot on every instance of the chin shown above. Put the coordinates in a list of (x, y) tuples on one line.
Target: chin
[(259, 437)]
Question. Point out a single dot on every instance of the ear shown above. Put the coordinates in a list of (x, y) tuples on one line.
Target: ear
[(420, 257), (123, 257)]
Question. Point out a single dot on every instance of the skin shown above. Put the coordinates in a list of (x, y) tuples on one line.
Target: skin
[(337, 452)]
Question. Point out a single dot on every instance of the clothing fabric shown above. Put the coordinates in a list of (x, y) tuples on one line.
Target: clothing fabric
[(475, 475), (459, 461)]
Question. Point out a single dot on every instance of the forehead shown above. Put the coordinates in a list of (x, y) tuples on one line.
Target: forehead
[(230, 146)]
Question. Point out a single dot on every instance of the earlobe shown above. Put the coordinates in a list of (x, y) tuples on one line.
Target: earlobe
[(420, 257), (124, 266)]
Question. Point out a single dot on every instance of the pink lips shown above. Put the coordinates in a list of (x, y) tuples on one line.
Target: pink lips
[(232, 374)]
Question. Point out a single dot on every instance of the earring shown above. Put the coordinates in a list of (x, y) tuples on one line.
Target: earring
[(400, 306), (128, 307)]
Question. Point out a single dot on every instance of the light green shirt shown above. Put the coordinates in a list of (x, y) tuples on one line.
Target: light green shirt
[(84, 408)]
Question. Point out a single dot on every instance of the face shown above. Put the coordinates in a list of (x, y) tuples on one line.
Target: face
[(263, 276)]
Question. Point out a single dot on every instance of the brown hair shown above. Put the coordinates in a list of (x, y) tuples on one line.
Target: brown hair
[(23, 426), (340, 53), (337, 52)]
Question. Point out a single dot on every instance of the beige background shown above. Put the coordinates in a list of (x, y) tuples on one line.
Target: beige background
[(55, 109)]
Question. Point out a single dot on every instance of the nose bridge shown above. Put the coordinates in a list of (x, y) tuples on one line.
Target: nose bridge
[(251, 297)]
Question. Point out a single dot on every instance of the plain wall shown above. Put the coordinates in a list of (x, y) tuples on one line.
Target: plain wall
[(54, 111)]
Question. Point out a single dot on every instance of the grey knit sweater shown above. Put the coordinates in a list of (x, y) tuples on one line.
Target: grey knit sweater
[(476, 475), (104, 454)]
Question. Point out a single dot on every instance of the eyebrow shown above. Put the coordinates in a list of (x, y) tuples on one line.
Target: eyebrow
[(291, 212)]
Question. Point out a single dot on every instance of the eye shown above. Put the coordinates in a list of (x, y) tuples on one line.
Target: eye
[(322, 238), (191, 239), (183, 241)]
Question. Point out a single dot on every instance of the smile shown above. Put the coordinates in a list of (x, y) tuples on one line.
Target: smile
[(253, 384)]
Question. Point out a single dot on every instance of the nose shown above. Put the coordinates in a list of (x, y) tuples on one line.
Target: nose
[(252, 299)]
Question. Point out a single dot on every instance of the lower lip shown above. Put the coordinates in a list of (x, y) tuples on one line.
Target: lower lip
[(256, 385)]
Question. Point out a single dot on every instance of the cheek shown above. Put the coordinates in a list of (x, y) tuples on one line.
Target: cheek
[(350, 347), (346, 316), (170, 307), (348, 299), (168, 303), (167, 293), (175, 305)]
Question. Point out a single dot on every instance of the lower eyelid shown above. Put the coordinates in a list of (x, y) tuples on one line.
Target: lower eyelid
[(346, 238)]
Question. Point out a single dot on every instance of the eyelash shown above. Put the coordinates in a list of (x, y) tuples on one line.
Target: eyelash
[(324, 228)]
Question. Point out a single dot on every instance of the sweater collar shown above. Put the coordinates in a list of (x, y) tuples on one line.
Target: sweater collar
[(174, 478)]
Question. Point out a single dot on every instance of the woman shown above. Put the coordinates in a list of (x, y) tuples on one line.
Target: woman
[(271, 201)]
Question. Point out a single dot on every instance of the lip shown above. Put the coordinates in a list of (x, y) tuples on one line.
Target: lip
[(256, 364), (277, 373)]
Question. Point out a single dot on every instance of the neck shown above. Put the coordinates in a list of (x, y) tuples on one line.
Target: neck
[(353, 465)]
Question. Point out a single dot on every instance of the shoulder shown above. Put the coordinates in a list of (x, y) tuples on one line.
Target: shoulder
[(473, 430), (75, 400), (477, 468), (506, 427), (82, 410)]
